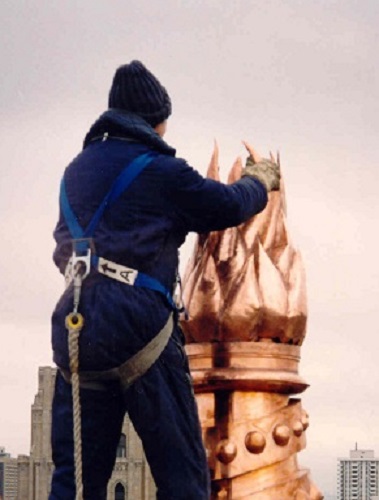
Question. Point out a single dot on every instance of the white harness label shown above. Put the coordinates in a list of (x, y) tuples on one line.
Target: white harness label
[(117, 271)]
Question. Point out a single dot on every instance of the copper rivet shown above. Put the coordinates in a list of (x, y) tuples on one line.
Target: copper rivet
[(298, 428), (226, 451), (255, 442), (281, 435)]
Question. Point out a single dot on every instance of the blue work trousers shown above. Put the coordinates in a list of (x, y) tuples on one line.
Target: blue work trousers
[(163, 410)]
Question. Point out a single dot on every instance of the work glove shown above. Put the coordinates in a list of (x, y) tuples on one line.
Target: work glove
[(266, 171)]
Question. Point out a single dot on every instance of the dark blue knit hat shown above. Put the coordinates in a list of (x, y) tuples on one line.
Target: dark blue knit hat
[(136, 89)]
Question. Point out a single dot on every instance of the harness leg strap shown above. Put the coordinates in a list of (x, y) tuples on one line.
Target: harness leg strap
[(132, 369), (138, 364)]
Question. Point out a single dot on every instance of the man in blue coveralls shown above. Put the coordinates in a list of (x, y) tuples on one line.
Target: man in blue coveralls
[(126, 299)]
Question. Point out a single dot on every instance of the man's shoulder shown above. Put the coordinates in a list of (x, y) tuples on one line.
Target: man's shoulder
[(168, 163)]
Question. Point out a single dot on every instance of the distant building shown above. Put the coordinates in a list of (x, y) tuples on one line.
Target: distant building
[(8, 476), (358, 476), (131, 478)]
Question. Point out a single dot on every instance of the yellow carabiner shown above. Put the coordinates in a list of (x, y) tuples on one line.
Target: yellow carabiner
[(74, 321)]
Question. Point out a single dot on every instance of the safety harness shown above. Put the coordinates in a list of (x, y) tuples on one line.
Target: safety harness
[(83, 256), (84, 259)]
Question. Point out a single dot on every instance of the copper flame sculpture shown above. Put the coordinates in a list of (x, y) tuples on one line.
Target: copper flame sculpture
[(245, 293)]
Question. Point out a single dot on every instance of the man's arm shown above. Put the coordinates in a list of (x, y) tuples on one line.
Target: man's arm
[(205, 205)]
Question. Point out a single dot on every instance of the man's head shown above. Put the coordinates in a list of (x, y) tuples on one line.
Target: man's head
[(137, 90)]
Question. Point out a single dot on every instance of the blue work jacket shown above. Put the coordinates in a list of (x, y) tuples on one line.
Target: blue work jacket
[(143, 230)]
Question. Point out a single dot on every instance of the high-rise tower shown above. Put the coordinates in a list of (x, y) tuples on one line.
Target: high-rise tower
[(8, 476), (358, 476)]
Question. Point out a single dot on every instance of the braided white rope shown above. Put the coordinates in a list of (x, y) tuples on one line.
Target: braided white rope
[(73, 349)]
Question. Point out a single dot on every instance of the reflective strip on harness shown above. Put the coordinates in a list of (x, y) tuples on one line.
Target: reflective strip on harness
[(132, 369)]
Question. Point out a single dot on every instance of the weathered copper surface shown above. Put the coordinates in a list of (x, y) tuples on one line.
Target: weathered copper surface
[(253, 366), (245, 292), (248, 282)]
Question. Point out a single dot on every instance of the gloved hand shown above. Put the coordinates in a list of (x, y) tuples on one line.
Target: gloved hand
[(266, 171)]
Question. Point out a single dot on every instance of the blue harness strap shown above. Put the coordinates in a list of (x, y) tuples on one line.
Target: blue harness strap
[(119, 186)]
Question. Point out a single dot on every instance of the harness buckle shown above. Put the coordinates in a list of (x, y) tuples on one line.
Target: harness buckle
[(81, 257), (180, 305)]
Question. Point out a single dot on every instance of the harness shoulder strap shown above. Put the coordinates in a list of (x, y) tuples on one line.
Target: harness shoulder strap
[(70, 218), (120, 185)]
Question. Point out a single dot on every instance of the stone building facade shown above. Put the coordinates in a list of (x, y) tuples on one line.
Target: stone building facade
[(131, 478)]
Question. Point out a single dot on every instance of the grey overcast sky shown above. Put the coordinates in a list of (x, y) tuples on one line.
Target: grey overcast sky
[(296, 75)]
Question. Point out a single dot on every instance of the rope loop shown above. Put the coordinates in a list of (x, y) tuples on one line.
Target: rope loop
[(74, 323)]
